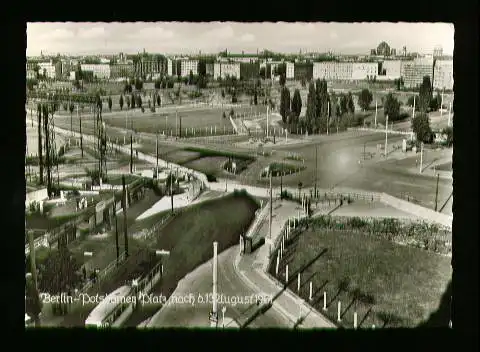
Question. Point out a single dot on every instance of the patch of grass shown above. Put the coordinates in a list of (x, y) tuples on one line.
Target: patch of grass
[(117, 179), (278, 168), (400, 284), (240, 165), (40, 221), (211, 165), (209, 152)]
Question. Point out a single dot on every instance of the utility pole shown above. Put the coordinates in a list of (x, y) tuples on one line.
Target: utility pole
[(328, 115), (413, 112), (386, 136), (421, 157), (214, 319), (131, 154), (40, 156), (81, 135), (364, 151), (281, 182), (156, 152), (176, 122), (47, 150), (117, 245), (436, 193), (125, 224), (376, 110), (180, 127), (316, 170), (441, 106), (449, 114), (171, 187), (267, 119)]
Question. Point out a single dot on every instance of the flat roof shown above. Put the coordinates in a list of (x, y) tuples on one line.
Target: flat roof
[(107, 305)]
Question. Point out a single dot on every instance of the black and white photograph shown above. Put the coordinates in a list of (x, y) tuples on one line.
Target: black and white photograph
[(229, 175)]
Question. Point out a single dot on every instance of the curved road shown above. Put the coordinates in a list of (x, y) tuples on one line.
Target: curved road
[(199, 282)]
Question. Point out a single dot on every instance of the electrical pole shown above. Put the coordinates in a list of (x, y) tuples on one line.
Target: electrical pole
[(316, 170), (328, 115), (117, 246), (40, 156), (376, 110), (81, 135), (421, 157), (213, 322), (449, 114), (281, 183), (125, 224), (180, 127), (267, 121), (176, 122), (364, 151), (413, 112), (171, 187), (156, 152), (386, 136), (270, 220), (436, 193), (47, 150), (131, 154)]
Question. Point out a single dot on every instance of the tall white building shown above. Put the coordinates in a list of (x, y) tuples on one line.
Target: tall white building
[(443, 75), (188, 65), (223, 69), (331, 70), (290, 70), (364, 70), (170, 64)]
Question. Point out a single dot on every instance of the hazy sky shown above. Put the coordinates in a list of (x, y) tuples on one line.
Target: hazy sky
[(183, 37)]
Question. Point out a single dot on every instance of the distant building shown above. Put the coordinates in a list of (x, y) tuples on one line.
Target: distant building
[(170, 67), (364, 70), (31, 74), (383, 49), (393, 52), (100, 71), (148, 65), (415, 70), (122, 70), (303, 70), (188, 65), (391, 69), (249, 70), (209, 68), (437, 51), (47, 69), (443, 75), (226, 69), (290, 71), (332, 70)]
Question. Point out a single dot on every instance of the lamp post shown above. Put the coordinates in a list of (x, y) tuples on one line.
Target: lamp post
[(224, 309), (160, 253)]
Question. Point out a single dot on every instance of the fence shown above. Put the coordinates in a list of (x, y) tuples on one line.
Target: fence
[(102, 274)]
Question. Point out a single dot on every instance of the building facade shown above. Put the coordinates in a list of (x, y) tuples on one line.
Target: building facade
[(170, 66), (188, 65), (148, 65), (415, 70), (249, 70), (290, 70), (209, 69), (334, 71), (226, 69), (101, 71), (392, 69), (443, 75), (47, 69), (364, 70), (122, 70), (303, 71)]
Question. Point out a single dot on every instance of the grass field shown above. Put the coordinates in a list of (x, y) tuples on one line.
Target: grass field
[(398, 286)]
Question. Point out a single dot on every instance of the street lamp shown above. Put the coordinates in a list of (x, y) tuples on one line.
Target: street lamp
[(224, 309), (161, 253), (86, 255)]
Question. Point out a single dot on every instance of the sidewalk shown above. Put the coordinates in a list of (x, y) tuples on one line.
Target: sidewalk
[(252, 269)]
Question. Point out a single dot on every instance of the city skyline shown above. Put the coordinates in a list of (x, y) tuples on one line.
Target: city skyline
[(213, 37)]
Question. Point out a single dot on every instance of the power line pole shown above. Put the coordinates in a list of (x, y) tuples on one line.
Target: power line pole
[(436, 193), (171, 187), (47, 149), (40, 156), (117, 245), (316, 170), (125, 225), (156, 153), (386, 136), (81, 135), (131, 154), (270, 220)]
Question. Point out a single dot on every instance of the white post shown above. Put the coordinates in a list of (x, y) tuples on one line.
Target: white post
[(215, 130), (324, 300), (355, 320), (441, 106), (267, 120), (413, 112), (449, 112), (376, 109), (311, 291), (386, 136), (278, 263), (328, 115), (215, 259), (298, 282), (339, 312), (421, 157), (286, 273), (211, 129)]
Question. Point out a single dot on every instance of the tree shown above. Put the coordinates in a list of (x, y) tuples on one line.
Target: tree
[(285, 104), (223, 93), (391, 107), (343, 104), (33, 303), (138, 84), (296, 104), (436, 102), (132, 101), (234, 97), (158, 100), (425, 96), (255, 98), (158, 84), (170, 84), (449, 132), (350, 103), (120, 102), (421, 128), (303, 82), (127, 88), (71, 108), (282, 80), (190, 78), (310, 114), (128, 101), (110, 103), (410, 102), (139, 101), (365, 99)]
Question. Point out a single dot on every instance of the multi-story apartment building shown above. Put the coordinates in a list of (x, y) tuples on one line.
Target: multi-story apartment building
[(209, 69), (415, 70), (443, 75), (364, 70), (47, 69), (100, 71), (249, 70), (226, 69), (170, 67), (331, 70), (122, 70), (392, 69), (290, 70), (188, 65), (149, 65), (31, 74)]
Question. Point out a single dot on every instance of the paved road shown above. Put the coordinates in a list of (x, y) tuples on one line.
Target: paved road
[(229, 284)]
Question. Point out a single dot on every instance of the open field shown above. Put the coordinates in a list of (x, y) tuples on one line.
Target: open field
[(399, 284)]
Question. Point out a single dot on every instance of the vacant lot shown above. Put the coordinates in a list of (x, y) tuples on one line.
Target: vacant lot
[(397, 285)]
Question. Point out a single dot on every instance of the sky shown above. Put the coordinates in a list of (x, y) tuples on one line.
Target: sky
[(77, 38)]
